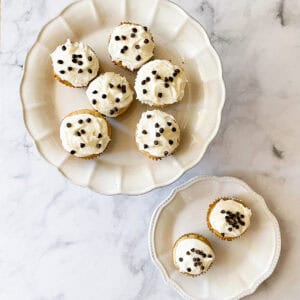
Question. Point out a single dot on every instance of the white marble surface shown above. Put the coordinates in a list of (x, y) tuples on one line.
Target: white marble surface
[(59, 241)]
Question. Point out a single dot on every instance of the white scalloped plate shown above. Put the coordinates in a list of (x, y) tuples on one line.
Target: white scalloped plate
[(122, 169), (241, 265)]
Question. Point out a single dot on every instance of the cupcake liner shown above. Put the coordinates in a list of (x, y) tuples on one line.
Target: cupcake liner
[(215, 232), (191, 236)]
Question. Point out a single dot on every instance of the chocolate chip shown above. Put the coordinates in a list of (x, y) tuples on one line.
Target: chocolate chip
[(138, 58), (145, 28), (80, 121), (117, 100), (242, 223), (144, 131), (155, 142), (123, 89), (223, 234), (98, 145), (173, 129), (169, 123), (146, 41), (72, 151), (79, 55), (60, 61), (166, 79), (90, 71), (134, 29), (177, 71), (143, 82), (80, 71), (82, 131), (70, 68), (193, 249), (144, 91), (69, 125), (228, 212), (202, 268), (157, 134), (145, 146), (180, 259), (209, 256), (171, 142), (195, 264), (74, 60), (82, 145), (153, 72), (189, 269), (117, 38), (230, 229), (90, 58), (156, 125), (242, 216), (111, 85), (148, 79), (111, 111), (94, 101), (99, 136), (159, 95), (174, 74), (95, 92), (80, 63), (137, 46), (89, 120), (78, 133), (122, 50), (132, 35), (149, 116), (166, 85), (125, 48), (188, 253), (123, 37), (62, 72), (74, 55), (222, 211), (115, 109), (171, 79), (64, 48), (104, 96), (198, 252), (194, 259), (158, 77), (166, 153), (237, 226), (119, 86), (161, 130)]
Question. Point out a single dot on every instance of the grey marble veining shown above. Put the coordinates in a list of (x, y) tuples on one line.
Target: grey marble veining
[(59, 241)]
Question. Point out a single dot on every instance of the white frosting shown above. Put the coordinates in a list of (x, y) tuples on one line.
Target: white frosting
[(78, 71), (157, 83), (85, 138), (109, 93), (241, 216), (159, 134), (193, 256), (124, 35)]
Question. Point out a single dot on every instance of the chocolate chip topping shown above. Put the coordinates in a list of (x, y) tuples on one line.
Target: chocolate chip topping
[(69, 125), (117, 100), (98, 145), (145, 146), (149, 116), (160, 95), (80, 63), (90, 71), (82, 145), (144, 91), (117, 38), (64, 48), (155, 142), (111, 85), (138, 58), (158, 77), (173, 129), (143, 82), (144, 131), (60, 61), (137, 46), (153, 72), (99, 136), (95, 92), (70, 68), (166, 85), (157, 134), (171, 142), (89, 120), (94, 101), (156, 125), (134, 29), (180, 259), (166, 153), (104, 96), (145, 28), (90, 58), (169, 123), (161, 130), (123, 37), (132, 35), (80, 71), (72, 152), (80, 121), (146, 41), (82, 131), (189, 269), (62, 72)]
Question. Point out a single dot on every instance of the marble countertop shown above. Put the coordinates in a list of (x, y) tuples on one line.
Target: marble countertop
[(59, 241)]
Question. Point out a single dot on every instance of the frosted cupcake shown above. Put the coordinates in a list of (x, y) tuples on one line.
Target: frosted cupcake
[(130, 45), (159, 83), (228, 218), (157, 134), (193, 254), (74, 64), (85, 133), (110, 94)]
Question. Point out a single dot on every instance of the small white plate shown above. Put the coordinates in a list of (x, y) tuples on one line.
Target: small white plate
[(241, 265), (122, 169)]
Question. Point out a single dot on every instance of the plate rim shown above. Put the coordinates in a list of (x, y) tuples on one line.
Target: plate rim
[(156, 185), (171, 197)]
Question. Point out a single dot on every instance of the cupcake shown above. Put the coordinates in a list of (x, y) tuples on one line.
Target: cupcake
[(193, 254), (110, 94), (157, 134), (85, 133), (74, 64), (159, 83), (130, 45), (228, 218)]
